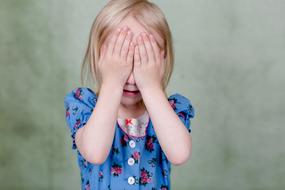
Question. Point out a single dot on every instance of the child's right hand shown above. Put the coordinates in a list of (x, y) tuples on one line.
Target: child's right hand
[(116, 57)]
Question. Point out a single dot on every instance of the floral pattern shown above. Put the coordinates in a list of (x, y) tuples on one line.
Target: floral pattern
[(149, 167)]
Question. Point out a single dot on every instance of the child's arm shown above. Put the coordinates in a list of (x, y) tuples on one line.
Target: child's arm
[(172, 135), (95, 139), (149, 66)]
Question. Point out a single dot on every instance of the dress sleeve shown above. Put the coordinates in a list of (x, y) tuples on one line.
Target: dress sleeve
[(183, 108), (79, 104)]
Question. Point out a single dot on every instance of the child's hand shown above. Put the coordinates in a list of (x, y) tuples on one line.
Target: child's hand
[(149, 63), (116, 60)]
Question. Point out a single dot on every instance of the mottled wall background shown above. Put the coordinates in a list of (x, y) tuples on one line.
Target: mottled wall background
[(229, 61)]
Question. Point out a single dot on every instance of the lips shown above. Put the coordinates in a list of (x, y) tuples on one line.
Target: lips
[(134, 91)]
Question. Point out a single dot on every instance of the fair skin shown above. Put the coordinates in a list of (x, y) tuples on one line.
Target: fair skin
[(133, 62)]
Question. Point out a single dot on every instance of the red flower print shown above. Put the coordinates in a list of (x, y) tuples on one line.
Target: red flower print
[(78, 93), (145, 177), (149, 143), (116, 169), (124, 140), (136, 155)]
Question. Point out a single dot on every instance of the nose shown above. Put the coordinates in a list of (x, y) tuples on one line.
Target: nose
[(131, 79)]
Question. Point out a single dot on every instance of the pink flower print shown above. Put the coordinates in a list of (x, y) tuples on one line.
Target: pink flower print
[(145, 177), (149, 143), (136, 156), (116, 169), (124, 140), (163, 187), (78, 93)]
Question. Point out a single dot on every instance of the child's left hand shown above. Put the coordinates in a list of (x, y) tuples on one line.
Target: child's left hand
[(149, 63)]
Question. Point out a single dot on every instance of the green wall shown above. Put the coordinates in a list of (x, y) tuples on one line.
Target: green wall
[(229, 61)]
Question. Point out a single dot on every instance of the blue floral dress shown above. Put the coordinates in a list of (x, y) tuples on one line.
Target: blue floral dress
[(136, 160)]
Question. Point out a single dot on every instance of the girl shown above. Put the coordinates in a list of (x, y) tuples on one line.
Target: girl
[(128, 136)]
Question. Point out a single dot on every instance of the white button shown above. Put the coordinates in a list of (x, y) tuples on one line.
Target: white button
[(131, 161), (132, 143), (131, 180)]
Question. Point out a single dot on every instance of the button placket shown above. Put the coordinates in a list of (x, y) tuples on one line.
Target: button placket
[(131, 162)]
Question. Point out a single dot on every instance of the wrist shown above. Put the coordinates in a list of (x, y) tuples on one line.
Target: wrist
[(112, 87), (151, 89)]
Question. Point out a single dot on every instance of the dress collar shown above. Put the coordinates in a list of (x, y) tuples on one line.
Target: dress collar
[(135, 126)]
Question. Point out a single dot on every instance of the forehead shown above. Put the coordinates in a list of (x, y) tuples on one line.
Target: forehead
[(137, 29)]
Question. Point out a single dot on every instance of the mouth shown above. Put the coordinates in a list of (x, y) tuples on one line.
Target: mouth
[(131, 92)]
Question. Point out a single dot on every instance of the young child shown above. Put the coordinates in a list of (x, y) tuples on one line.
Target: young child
[(128, 136)]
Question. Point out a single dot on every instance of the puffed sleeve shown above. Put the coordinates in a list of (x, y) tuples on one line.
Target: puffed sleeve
[(79, 104), (183, 108)]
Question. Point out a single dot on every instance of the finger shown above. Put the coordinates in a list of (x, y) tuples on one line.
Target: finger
[(142, 51), (120, 40), (102, 51), (162, 55), (155, 47), (130, 56), (126, 45), (148, 47), (137, 61), (112, 42)]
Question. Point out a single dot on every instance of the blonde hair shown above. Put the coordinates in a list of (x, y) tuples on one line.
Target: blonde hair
[(146, 13)]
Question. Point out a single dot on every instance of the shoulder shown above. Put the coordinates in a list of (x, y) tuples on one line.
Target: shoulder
[(81, 95), (181, 103)]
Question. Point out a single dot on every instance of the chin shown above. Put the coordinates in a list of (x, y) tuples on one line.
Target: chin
[(131, 100)]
